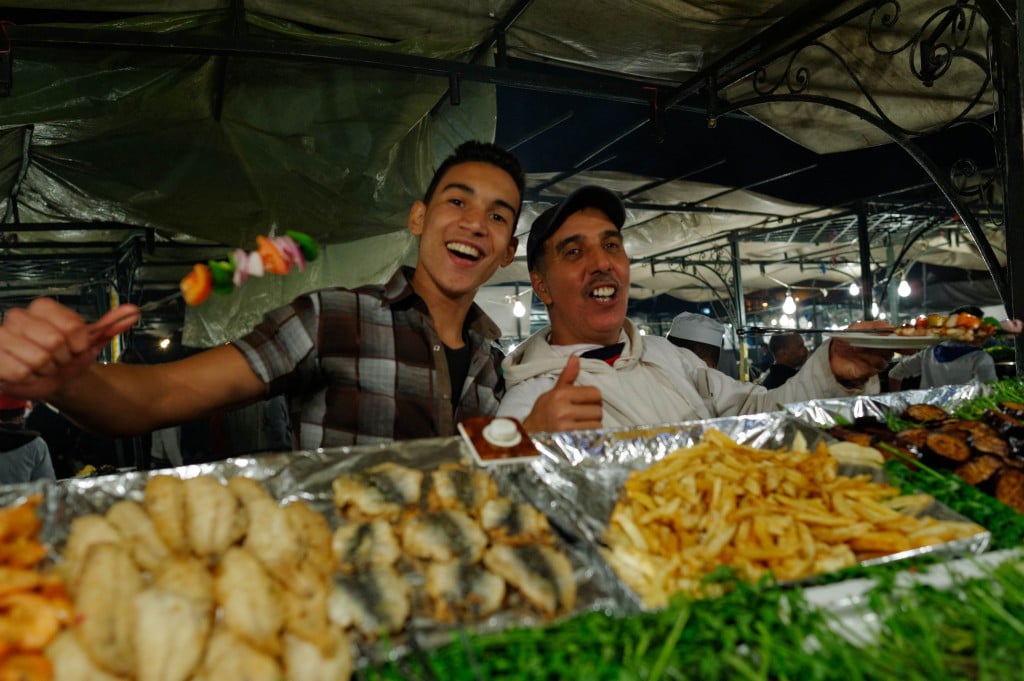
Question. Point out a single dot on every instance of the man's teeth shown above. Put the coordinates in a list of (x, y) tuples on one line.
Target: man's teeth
[(464, 249), (603, 292)]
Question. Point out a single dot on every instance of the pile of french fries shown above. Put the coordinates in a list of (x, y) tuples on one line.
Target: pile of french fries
[(788, 512)]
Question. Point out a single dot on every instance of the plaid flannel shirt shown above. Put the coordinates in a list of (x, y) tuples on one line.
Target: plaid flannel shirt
[(363, 366)]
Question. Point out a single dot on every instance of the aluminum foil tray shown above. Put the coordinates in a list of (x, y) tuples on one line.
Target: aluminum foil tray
[(579, 476), (308, 476), (829, 412)]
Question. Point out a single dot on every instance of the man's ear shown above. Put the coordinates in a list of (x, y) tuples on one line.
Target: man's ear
[(539, 287), (417, 215), (510, 252)]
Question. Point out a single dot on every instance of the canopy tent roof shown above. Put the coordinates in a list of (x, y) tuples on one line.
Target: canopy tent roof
[(140, 137)]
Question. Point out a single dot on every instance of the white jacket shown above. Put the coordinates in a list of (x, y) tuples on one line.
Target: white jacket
[(653, 381)]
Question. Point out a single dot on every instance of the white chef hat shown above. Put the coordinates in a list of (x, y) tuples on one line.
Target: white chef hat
[(698, 328)]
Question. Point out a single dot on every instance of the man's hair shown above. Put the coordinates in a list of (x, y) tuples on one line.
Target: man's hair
[(780, 341), (969, 309), (481, 152)]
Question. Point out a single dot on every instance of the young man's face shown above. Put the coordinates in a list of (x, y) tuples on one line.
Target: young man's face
[(583, 278), (466, 229)]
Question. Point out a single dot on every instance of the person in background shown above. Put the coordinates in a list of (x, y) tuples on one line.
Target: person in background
[(406, 359), (24, 456), (699, 334), (591, 368), (790, 353), (950, 362)]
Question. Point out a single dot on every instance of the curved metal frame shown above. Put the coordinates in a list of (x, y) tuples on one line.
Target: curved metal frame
[(929, 59)]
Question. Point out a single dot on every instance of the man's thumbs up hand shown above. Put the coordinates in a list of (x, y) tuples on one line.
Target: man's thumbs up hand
[(566, 406)]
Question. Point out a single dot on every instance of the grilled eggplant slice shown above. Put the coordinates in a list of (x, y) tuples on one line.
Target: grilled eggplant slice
[(947, 448), (1004, 424), (1010, 489), (925, 413), (980, 471)]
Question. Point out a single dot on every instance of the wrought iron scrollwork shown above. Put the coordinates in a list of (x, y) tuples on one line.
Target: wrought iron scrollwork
[(947, 36)]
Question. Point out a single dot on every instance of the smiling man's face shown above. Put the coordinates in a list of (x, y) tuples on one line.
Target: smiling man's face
[(583, 278), (465, 231)]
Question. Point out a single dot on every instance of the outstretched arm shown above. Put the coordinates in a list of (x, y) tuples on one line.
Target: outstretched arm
[(48, 353)]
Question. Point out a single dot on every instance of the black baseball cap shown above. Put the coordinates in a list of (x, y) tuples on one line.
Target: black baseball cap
[(548, 222)]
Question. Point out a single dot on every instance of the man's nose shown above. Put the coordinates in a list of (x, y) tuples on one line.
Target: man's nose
[(474, 219), (599, 260)]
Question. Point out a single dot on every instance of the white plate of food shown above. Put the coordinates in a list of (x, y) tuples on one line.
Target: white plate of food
[(888, 341)]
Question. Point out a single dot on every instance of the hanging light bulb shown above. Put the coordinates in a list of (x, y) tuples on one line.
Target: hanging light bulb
[(874, 309), (789, 305), (854, 289), (904, 288), (518, 309)]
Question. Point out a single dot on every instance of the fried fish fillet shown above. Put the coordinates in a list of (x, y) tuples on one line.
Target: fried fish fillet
[(189, 577), (459, 589), (373, 600), (444, 536), (543, 574), (139, 533), (104, 607), (272, 539), (72, 663), (305, 615), (359, 544), (304, 661), (164, 501), (229, 657), (515, 523), (455, 487), (170, 635), (314, 536), (214, 517), (249, 599), (384, 490), (86, 531)]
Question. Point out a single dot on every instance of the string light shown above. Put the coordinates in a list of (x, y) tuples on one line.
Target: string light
[(165, 343), (854, 289), (789, 305), (904, 288)]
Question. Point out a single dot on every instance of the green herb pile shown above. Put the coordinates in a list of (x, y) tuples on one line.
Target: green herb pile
[(758, 631), (1005, 524), (1004, 390)]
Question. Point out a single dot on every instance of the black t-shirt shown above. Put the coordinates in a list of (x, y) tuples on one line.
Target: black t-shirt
[(458, 368)]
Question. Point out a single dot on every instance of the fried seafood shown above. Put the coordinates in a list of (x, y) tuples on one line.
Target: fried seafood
[(314, 536), (508, 522), (306, 662), (459, 589), (104, 607), (363, 544), (134, 524), (383, 490), (230, 657), (188, 577), (373, 600), (249, 600), (71, 662), (305, 614), (444, 536), (541, 573), (213, 517), (170, 635), (272, 539), (86, 532), (455, 487), (165, 504)]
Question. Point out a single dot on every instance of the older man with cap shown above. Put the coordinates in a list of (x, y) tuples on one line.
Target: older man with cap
[(591, 367), (699, 334)]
